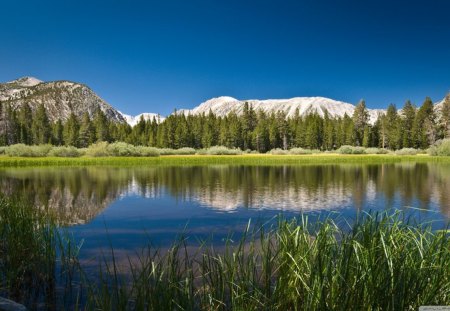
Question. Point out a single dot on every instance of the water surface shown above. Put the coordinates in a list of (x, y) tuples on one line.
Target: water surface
[(129, 207)]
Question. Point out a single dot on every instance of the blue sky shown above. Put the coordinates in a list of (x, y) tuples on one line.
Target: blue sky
[(155, 56)]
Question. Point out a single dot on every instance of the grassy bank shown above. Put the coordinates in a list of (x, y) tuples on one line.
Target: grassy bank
[(381, 262), (250, 159)]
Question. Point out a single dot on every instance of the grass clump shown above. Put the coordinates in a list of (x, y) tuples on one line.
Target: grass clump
[(381, 262)]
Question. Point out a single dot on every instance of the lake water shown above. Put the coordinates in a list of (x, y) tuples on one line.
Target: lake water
[(131, 206)]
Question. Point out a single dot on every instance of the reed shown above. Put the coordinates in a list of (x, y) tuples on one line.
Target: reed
[(380, 261), (245, 159)]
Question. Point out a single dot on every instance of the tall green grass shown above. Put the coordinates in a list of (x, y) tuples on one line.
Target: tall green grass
[(379, 262), (222, 159)]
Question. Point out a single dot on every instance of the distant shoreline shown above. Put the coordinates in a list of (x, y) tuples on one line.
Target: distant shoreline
[(246, 159)]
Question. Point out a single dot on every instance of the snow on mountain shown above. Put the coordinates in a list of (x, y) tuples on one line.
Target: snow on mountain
[(133, 120), (223, 105)]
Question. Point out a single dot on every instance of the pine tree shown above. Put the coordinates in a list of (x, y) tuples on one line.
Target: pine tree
[(360, 121), (57, 133), (71, 131), (424, 128), (25, 115), (40, 126), (392, 127), (86, 132), (366, 137), (409, 114), (101, 126), (248, 125)]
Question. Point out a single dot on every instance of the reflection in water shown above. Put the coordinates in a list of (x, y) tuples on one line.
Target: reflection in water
[(77, 195)]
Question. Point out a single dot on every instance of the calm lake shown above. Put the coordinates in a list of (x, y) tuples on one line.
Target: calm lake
[(130, 207)]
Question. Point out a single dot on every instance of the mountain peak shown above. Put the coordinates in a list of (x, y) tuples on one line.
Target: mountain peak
[(26, 81)]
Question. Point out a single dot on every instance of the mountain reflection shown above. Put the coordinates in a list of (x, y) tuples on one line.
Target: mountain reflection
[(77, 195)]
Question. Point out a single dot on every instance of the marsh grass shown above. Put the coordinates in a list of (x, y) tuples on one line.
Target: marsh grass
[(380, 261), (245, 159)]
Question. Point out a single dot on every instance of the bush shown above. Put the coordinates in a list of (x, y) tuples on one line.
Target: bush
[(278, 151), (406, 151), (99, 149), (121, 149), (66, 152), (376, 151), (181, 151), (147, 151), (440, 148), (185, 151), (2, 150), (346, 149), (303, 151), (219, 150), (300, 151), (21, 150)]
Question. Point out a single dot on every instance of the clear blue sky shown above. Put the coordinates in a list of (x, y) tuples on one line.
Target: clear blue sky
[(155, 56)]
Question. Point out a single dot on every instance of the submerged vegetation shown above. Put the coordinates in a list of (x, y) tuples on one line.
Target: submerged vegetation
[(380, 261)]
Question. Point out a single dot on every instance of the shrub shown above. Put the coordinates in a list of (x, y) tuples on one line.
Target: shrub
[(121, 149), (21, 150), (278, 151), (406, 151), (300, 151), (181, 151), (346, 149), (63, 151), (440, 148), (220, 150), (376, 151), (166, 151), (147, 151), (99, 149), (2, 150), (202, 152), (303, 151)]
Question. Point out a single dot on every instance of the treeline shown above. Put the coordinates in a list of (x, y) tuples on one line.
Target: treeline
[(413, 127)]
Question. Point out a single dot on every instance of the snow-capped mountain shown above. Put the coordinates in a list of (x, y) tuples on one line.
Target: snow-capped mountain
[(60, 98), (133, 120), (223, 105)]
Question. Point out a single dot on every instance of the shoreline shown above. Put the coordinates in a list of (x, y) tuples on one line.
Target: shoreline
[(246, 159)]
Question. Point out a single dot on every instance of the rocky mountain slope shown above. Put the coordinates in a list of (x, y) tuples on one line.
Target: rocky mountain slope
[(60, 98)]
